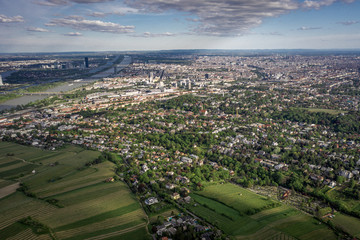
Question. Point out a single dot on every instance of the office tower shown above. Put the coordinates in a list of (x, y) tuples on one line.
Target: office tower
[(86, 62)]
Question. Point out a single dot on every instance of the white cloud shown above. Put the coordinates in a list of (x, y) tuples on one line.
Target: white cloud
[(90, 1), (303, 28), (98, 14), (15, 19), (150, 35), (73, 34), (37, 29), (52, 3), (227, 17), (322, 3), (317, 4), (121, 11), (67, 2), (76, 22), (348, 23)]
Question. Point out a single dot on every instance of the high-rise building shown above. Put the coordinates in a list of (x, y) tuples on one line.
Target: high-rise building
[(115, 70), (86, 62), (151, 77), (1, 82)]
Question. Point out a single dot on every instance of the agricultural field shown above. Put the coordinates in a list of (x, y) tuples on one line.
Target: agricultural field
[(71, 200), (228, 207)]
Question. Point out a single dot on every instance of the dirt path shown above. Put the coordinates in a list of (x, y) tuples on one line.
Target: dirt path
[(8, 190)]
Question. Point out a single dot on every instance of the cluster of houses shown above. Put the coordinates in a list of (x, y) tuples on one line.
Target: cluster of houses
[(173, 224)]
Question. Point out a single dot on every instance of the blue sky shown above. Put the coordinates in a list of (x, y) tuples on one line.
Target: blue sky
[(116, 25)]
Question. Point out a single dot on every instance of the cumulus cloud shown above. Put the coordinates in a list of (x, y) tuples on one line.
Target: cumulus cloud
[(79, 23), (220, 18), (37, 29), (73, 34), (308, 28), (348, 23), (15, 19)]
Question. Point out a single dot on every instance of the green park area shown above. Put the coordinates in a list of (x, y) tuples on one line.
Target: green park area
[(246, 215), (324, 110), (64, 198)]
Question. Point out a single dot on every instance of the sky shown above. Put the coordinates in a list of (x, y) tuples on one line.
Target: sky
[(122, 25)]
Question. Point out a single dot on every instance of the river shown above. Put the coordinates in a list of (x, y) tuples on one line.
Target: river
[(68, 86)]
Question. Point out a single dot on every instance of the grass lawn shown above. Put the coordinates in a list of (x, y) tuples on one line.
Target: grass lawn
[(350, 203), (216, 206), (163, 215), (237, 197), (324, 110), (347, 223), (225, 209)]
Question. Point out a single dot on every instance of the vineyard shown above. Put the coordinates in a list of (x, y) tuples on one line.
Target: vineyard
[(71, 200)]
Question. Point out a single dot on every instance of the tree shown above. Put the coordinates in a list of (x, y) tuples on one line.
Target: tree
[(340, 179), (352, 183)]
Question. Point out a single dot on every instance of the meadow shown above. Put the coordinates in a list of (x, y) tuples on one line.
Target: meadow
[(232, 209), (350, 203), (71, 200), (347, 223), (323, 110)]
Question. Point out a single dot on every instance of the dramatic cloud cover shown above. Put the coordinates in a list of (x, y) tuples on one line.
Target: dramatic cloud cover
[(221, 18), (175, 24)]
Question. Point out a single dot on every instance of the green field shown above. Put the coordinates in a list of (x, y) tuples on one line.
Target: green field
[(323, 110), (4, 183), (350, 203), (240, 199), (227, 205), (86, 206), (347, 223)]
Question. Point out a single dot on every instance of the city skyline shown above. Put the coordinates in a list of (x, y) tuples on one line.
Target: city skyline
[(106, 25)]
